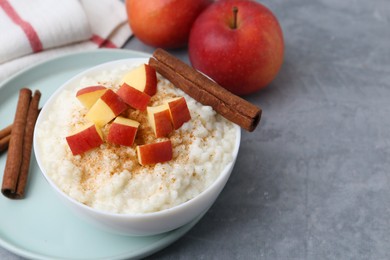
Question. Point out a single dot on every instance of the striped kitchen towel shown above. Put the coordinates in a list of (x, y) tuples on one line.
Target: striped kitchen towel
[(34, 31)]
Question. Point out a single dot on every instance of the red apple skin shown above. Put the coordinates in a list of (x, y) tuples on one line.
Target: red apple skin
[(163, 123), (84, 140), (89, 89), (242, 60), (147, 84), (133, 97), (89, 95), (164, 23), (155, 153), (114, 102), (179, 112), (151, 80), (121, 134)]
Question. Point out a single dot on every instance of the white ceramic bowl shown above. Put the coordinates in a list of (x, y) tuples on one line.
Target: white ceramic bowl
[(135, 224)]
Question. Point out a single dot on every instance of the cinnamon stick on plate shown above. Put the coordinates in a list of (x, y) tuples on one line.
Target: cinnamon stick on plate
[(5, 136), (15, 150), (206, 91), (27, 145), (4, 142), (6, 131), (19, 151)]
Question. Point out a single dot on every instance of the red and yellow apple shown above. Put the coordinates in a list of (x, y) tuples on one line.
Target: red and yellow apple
[(133, 97), (106, 108), (89, 95), (238, 43), (143, 78), (164, 23), (122, 131), (154, 153), (160, 120), (178, 111), (87, 138)]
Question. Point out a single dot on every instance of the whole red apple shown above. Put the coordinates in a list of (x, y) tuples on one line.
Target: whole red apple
[(239, 44), (164, 23)]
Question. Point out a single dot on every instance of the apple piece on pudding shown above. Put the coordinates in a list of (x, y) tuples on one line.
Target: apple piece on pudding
[(179, 111), (143, 78), (160, 120), (89, 95), (106, 108), (122, 131), (133, 97), (155, 152), (87, 138)]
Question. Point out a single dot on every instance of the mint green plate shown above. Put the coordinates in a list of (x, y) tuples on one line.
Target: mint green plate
[(39, 226)]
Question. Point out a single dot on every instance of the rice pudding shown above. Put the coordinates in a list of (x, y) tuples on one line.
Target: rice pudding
[(110, 178)]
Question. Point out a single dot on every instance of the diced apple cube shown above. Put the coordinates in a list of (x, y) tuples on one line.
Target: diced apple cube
[(106, 108), (89, 95), (133, 97), (143, 78), (155, 153), (160, 120), (178, 110), (87, 138), (122, 131)]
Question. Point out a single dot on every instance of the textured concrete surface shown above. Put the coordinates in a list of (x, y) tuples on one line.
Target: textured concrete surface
[(313, 181)]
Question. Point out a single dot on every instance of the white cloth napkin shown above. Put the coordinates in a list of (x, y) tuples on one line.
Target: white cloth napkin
[(31, 32)]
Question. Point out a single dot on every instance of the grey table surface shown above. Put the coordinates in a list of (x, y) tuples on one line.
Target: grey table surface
[(313, 181)]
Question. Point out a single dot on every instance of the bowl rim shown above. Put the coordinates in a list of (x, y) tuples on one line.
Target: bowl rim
[(106, 66)]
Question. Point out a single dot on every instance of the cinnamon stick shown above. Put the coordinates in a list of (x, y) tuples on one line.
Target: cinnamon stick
[(5, 132), (206, 91), (15, 150), (27, 145), (4, 142), (5, 136)]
